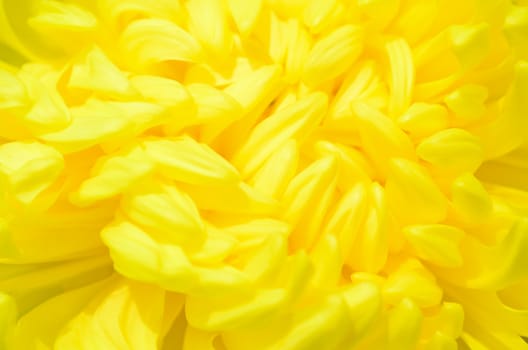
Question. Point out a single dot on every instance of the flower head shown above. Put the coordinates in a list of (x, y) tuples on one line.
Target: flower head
[(263, 174)]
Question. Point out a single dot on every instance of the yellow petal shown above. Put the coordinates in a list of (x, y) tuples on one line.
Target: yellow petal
[(412, 280), (507, 130), (208, 22), (260, 248), (371, 248), (113, 175), (186, 160), (245, 14), (120, 13), (452, 151), (467, 102), (92, 123), (48, 280), (68, 24), (266, 261), (293, 122), (36, 330), (254, 91), (198, 339), (29, 168), (216, 110), (448, 320), (214, 105), (470, 43), (141, 116), (408, 183), (324, 325), (266, 78), (172, 95), (225, 314), (236, 198), (381, 137), (516, 29), (379, 12), (8, 312), (482, 338), (348, 215), (333, 54), (504, 264), (149, 41), (49, 112), (327, 263), (12, 90), (216, 247), (137, 256), (273, 177), (127, 315), (287, 8), (423, 119), (415, 19), (440, 341), (14, 41), (165, 91), (437, 244), (510, 176), (320, 15), (357, 85), (297, 45), (294, 274), (402, 76), (470, 199), (96, 72), (52, 229), (404, 325), (256, 229), (167, 211), (306, 201), (364, 305), (353, 165)]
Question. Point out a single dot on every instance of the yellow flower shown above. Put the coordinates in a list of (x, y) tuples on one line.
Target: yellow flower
[(263, 174)]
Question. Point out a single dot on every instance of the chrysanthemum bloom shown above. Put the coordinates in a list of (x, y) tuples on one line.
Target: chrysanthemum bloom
[(263, 174)]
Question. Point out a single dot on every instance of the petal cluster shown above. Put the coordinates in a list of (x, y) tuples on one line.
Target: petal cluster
[(263, 174)]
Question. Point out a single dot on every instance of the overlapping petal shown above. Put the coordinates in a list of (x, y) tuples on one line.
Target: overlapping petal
[(264, 174)]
